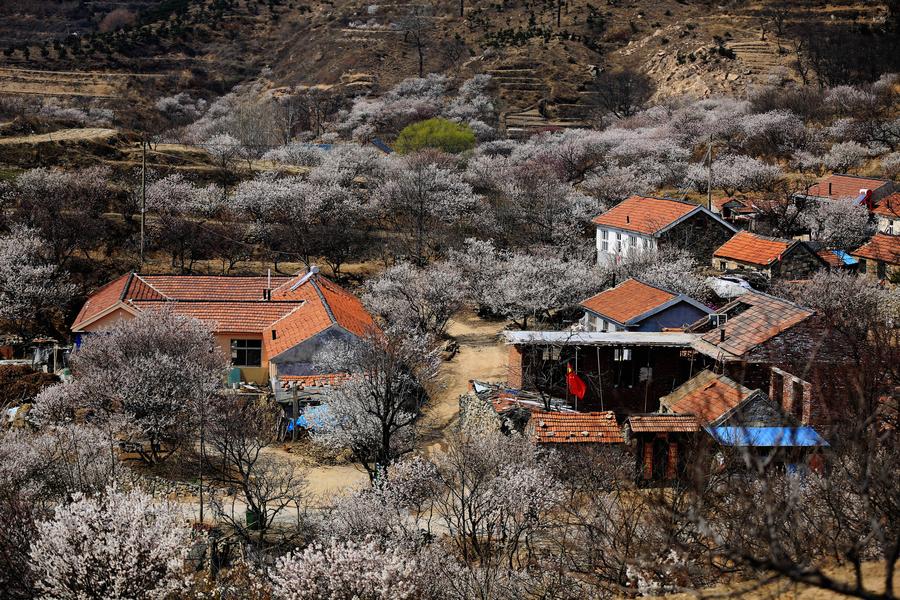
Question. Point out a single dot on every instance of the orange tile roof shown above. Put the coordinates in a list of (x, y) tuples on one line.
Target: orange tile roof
[(844, 186), (206, 287), (103, 299), (889, 207), (644, 214), (561, 428), (759, 317), (882, 247), (628, 300), (237, 304), (707, 396), (228, 317), (754, 249), (663, 423)]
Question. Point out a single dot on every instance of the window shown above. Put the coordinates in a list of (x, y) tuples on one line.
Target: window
[(890, 227), (604, 240), (722, 265), (881, 270), (246, 353), (633, 241), (618, 243), (621, 354)]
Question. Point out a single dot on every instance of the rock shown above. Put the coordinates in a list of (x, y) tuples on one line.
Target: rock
[(733, 77)]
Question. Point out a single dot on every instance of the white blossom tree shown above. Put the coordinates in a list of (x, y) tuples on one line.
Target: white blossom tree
[(32, 287), (374, 413), (845, 157), (417, 299), (735, 173), (116, 546), (365, 570), (838, 224), (425, 204), (151, 370)]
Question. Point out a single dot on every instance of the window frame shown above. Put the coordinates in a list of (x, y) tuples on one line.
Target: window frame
[(243, 349)]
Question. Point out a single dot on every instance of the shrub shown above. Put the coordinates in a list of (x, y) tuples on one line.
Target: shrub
[(435, 133)]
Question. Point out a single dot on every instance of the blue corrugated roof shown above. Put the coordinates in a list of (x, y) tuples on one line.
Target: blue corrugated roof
[(770, 437), (379, 143)]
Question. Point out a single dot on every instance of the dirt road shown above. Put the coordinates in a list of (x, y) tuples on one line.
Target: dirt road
[(92, 134)]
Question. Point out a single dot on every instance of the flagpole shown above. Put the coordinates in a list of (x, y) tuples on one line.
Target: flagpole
[(576, 372)]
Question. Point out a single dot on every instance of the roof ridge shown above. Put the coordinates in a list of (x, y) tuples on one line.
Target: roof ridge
[(124, 287), (656, 287), (145, 282), (859, 177), (315, 284)]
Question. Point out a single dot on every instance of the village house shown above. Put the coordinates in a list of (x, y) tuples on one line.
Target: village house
[(866, 191), (660, 444), (735, 210), (642, 224), (773, 257), (637, 306), (765, 342), (887, 215), (624, 371), (270, 327), (879, 257)]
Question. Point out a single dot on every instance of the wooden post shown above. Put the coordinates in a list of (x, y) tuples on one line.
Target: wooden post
[(143, 194), (295, 409), (709, 174)]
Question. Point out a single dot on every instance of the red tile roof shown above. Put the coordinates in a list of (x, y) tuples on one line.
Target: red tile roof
[(882, 247), (754, 249), (659, 423), (229, 317), (103, 299), (644, 214), (889, 207), (578, 428), (707, 396), (845, 186), (756, 319), (237, 304), (628, 300)]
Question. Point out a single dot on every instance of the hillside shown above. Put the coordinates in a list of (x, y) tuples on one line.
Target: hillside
[(540, 52)]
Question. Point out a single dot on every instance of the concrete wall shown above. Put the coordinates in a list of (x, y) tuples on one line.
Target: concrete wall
[(300, 360)]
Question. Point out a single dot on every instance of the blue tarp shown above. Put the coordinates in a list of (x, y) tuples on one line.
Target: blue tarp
[(845, 258), (379, 143), (313, 417), (767, 437)]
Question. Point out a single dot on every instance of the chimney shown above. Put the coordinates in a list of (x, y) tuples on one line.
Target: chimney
[(721, 335), (628, 218), (274, 334), (829, 188), (267, 294)]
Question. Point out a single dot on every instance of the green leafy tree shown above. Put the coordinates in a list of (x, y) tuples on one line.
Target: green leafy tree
[(435, 133)]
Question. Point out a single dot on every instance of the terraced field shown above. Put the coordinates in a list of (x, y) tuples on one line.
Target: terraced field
[(88, 84)]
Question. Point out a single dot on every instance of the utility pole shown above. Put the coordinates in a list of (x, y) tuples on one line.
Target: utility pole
[(709, 174), (143, 195)]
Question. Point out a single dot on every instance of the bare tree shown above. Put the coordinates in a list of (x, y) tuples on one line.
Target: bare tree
[(622, 93), (417, 26), (239, 432)]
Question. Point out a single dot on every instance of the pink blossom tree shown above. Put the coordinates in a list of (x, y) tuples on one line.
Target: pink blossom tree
[(119, 545), (152, 371)]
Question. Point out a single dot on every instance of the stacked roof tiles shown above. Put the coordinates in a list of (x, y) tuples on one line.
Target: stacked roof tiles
[(663, 423), (575, 428)]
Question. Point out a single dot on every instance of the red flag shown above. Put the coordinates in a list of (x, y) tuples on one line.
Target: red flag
[(577, 386)]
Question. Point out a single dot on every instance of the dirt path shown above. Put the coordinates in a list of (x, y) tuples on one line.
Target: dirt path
[(83, 134), (481, 356)]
